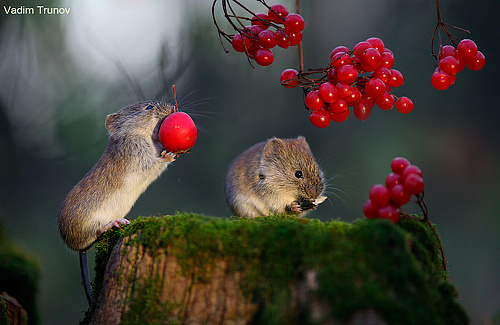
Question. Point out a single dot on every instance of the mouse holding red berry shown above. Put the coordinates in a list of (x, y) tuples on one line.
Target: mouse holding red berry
[(144, 139)]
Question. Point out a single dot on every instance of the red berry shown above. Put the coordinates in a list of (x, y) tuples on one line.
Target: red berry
[(404, 105), (338, 49), (353, 97), (377, 44), (399, 196), (240, 42), (313, 101), (387, 59), (379, 195), (328, 92), (295, 38), (385, 102), (370, 210), (360, 48), (338, 106), (340, 117), (392, 180), (320, 118), (414, 184), (264, 57), (294, 23), (277, 13), (287, 78), (383, 74), (396, 78), (260, 20), (467, 49), (254, 30), (477, 63), (252, 50), (339, 59), (375, 88), (267, 39), (347, 74), (343, 90), (177, 132), (283, 39), (362, 109), (440, 80), (410, 170), (448, 50), (389, 212), (399, 164), (372, 57), (448, 65)]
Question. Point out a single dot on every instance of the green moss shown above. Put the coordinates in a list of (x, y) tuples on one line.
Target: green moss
[(4, 313), (19, 276), (394, 270)]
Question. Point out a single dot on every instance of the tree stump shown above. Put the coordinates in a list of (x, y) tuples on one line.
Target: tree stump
[(192, 269)]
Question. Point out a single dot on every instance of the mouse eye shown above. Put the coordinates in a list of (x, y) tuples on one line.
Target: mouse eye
[(298, 174), (149, 107)]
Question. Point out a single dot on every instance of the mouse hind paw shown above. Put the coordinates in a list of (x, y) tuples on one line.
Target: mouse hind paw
[(113, 224)]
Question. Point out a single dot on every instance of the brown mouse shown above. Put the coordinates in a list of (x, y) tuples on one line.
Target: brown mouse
[(132, 160), (277, 176)]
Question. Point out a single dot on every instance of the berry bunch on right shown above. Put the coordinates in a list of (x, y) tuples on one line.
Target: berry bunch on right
[(385, 200), (452, 60), (359, 79)]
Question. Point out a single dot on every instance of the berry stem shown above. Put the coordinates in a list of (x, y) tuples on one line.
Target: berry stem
[(301, 52), (442, 25), (175, 99), (425, 211)]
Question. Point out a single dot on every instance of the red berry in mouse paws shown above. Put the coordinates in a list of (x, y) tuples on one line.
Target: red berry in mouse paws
[(177, 132)]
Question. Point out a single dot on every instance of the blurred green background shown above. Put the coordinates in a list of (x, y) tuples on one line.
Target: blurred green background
[(60, 75)]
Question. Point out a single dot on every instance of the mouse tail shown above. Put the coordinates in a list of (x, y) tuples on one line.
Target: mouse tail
[(85, 275)]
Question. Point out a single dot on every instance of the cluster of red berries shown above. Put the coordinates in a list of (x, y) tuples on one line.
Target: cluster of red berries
[(404, 181), (452, 60), (257, 40), (344, 86)]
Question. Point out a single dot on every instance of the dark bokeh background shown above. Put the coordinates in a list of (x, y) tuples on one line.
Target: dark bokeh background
[(61, 75)]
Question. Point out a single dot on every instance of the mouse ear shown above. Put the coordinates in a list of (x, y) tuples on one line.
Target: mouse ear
[(272, 145), (109, 122), (303, 140)]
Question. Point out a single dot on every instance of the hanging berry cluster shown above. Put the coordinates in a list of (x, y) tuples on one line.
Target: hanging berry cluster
[(357, 79), (452, 60), (276, 28), (386, 200)]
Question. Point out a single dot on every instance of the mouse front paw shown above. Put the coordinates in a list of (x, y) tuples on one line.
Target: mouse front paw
[(295, 207), (167, 156)]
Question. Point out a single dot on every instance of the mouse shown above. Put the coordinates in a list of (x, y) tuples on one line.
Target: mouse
[(275, 177), (132, 160)]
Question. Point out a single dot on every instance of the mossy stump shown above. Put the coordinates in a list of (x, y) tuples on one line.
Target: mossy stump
[(192, 269)]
